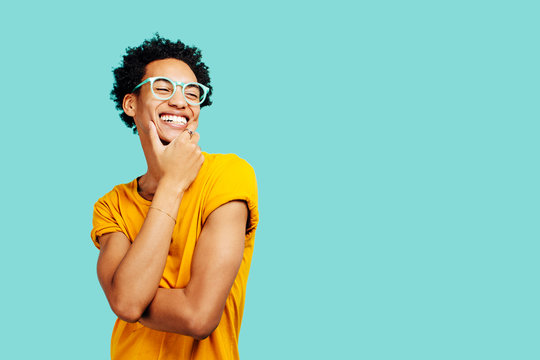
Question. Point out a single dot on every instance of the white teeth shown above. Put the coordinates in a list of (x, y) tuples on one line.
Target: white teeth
[(174, 119)]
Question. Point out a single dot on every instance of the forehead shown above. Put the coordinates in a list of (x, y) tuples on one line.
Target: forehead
[(173, 69)]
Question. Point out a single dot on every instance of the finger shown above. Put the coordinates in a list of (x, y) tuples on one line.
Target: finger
[(155, 141), (201, 153), (184, 137), (192, 125), (189, 136), (195, 137)]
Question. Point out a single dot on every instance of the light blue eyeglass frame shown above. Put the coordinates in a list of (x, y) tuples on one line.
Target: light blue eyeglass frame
[(175, 83)]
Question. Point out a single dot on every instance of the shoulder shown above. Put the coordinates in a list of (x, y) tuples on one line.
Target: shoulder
[(217, 160), (227, 164), (107, 215), (117, 193), (227, 177)]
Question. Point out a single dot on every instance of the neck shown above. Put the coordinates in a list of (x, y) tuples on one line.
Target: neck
[(147, 185)]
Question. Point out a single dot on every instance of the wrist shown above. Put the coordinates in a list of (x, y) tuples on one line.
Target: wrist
[(169, 184)]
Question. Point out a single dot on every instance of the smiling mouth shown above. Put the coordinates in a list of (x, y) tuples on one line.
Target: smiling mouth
[(173, 119)]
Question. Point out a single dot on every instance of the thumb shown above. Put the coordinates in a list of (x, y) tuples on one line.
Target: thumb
[(155, 141)]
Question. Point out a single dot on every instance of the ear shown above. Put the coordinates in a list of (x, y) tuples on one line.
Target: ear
[(129, 104)]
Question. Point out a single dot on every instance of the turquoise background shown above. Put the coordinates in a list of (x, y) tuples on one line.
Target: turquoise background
[(396, 150)]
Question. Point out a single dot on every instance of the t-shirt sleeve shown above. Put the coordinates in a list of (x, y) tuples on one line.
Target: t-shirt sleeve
[(103, 220), (233, 180)]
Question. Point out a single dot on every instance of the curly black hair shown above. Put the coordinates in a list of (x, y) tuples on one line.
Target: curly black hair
[(132, 69)]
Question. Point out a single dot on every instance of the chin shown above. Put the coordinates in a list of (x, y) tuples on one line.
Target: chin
[(167, 136)]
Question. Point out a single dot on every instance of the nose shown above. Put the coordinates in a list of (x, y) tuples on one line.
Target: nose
[(178, 99)]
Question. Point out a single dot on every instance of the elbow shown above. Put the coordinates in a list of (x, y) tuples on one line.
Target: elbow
[(202, 333), (130, 317), (202, 326), (126, 311)]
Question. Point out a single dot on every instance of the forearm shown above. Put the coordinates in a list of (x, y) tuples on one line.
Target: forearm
[(137, 277), (173, 310), (169, 311), (196, 310)]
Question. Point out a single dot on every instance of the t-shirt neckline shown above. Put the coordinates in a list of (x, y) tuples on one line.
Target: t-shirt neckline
[(134, 187)]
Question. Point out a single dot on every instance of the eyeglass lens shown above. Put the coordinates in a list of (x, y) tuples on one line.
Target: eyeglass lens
[(163, 89)]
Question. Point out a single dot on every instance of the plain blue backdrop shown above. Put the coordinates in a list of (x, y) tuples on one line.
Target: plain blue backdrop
[(395, 145)]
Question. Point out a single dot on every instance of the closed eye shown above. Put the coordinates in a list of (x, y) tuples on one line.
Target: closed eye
[(192, 96)]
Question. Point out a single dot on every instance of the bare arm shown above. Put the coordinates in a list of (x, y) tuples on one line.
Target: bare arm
[(197, 309), (130, 273)]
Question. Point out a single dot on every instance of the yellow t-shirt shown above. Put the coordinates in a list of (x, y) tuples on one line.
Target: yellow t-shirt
[(222, 178)]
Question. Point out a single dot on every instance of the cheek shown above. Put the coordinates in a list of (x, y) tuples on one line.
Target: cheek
[(145, 112), (148, 107)]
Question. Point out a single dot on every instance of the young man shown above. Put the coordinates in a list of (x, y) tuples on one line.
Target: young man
[(175, 243)]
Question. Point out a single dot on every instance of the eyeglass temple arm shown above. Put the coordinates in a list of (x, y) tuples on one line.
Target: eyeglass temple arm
[(141, 84)]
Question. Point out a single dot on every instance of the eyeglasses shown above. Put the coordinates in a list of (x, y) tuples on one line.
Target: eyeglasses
[(164, 89)]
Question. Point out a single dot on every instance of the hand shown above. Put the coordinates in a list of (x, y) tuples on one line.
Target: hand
[(178, 162)]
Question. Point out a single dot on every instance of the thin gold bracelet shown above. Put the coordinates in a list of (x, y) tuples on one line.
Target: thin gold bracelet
[(166, 213)]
